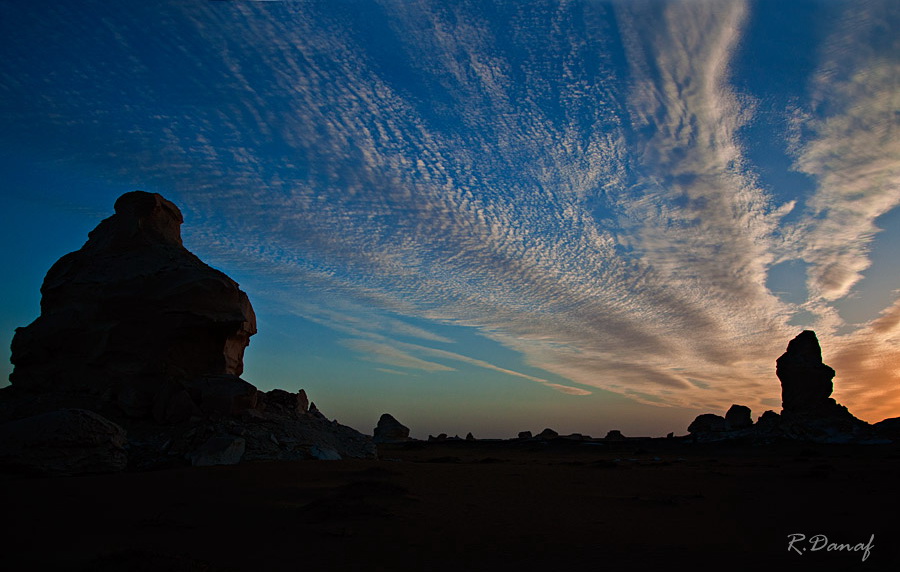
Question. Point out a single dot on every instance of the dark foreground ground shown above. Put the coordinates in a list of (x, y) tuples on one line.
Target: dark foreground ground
[(640, 505)]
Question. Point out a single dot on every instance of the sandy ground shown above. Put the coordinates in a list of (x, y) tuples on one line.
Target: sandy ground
[(473, 506)]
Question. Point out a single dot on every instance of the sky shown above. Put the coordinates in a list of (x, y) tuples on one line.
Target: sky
[(486, 216)]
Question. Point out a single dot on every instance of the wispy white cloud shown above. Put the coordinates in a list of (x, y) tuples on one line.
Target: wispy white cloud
[(390, 355), (402, 354), (499, 169), (391, 371), (851, 148), (522, 220)]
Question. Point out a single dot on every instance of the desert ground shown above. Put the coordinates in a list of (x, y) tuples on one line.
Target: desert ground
[(458, 505)]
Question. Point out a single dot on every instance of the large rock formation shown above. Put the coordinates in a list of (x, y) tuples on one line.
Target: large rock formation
[(136, 328), (805, 381), (808, 410), (134, 314)]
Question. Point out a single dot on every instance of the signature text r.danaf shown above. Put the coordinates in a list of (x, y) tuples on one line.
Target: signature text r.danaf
[(800, 544)]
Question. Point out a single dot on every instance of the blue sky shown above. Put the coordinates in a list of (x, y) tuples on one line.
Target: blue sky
[(487, 216)]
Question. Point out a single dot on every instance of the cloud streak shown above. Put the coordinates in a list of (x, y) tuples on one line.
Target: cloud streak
[(851, 149)]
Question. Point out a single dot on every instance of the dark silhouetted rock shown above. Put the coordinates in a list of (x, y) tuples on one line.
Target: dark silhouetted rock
[(389, 430), (277, 431), (302, 401), (808, 412), (278, 400), (547, 434), (136, 328), (768, 419), (739, 417), (614, 435), (63, 442), (806, 384), (524, 434), (133, 314), (441, 437), (470, 437), (314, 411), (708, 423)]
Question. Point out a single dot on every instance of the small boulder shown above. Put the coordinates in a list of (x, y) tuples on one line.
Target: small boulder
[(768, 421), (614, 435), (738, 417), (547, 434), (470, 437), (524, 434), (389, 430), (708, 423)]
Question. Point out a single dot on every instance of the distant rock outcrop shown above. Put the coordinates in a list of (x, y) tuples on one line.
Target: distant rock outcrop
[(389, 430), (136, 328), (614, 435), (808, 414), (547, 434)]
